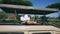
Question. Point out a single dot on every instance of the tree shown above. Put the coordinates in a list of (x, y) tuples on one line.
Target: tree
[(57, 6), (17, 2), (3, 16)]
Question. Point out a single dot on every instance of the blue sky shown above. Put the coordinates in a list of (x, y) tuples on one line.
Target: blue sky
[(43, 4)]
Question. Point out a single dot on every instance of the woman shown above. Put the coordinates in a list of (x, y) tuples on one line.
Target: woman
[(26, 20)]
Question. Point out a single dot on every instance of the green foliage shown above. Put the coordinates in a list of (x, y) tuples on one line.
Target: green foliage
[(3, 16), (55, 5), (17, 2)]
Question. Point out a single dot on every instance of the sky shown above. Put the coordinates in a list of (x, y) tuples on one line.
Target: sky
[(43, 4)]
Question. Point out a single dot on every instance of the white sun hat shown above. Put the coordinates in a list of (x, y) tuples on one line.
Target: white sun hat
[(24, 18)]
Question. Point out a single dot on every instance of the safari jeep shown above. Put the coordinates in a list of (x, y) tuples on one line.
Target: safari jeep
[(27, 29)]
